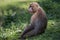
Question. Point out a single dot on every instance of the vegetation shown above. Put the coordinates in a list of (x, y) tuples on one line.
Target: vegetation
[(14, 16)]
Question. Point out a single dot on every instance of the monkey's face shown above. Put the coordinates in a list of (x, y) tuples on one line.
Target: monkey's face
[(33, 7)]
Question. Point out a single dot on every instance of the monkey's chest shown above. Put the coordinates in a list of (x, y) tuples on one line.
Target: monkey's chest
[(34, 18)]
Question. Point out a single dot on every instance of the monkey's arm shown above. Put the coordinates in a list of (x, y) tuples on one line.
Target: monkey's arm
[(33, 32)]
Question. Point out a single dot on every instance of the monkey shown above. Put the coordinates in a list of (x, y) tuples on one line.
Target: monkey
[(38, 22)]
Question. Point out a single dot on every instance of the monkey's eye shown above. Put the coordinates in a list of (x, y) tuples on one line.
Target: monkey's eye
[(31, 6)]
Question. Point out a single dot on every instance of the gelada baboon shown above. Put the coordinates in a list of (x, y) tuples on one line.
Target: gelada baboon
[(38, 21)]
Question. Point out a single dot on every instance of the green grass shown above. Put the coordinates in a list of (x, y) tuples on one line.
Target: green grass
[(12, 26)]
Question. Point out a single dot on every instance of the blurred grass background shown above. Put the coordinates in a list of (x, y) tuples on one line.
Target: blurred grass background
[(14, 16)]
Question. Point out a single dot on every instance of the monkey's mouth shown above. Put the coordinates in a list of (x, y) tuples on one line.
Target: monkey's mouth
[(31, 11)]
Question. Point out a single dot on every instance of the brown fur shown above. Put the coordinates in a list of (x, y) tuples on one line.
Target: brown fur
[(38, 21)]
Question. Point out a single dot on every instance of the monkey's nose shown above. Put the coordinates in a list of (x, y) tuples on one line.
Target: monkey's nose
[(30, 9)]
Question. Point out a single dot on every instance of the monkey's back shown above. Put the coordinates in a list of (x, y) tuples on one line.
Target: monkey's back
[(39, 20)]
